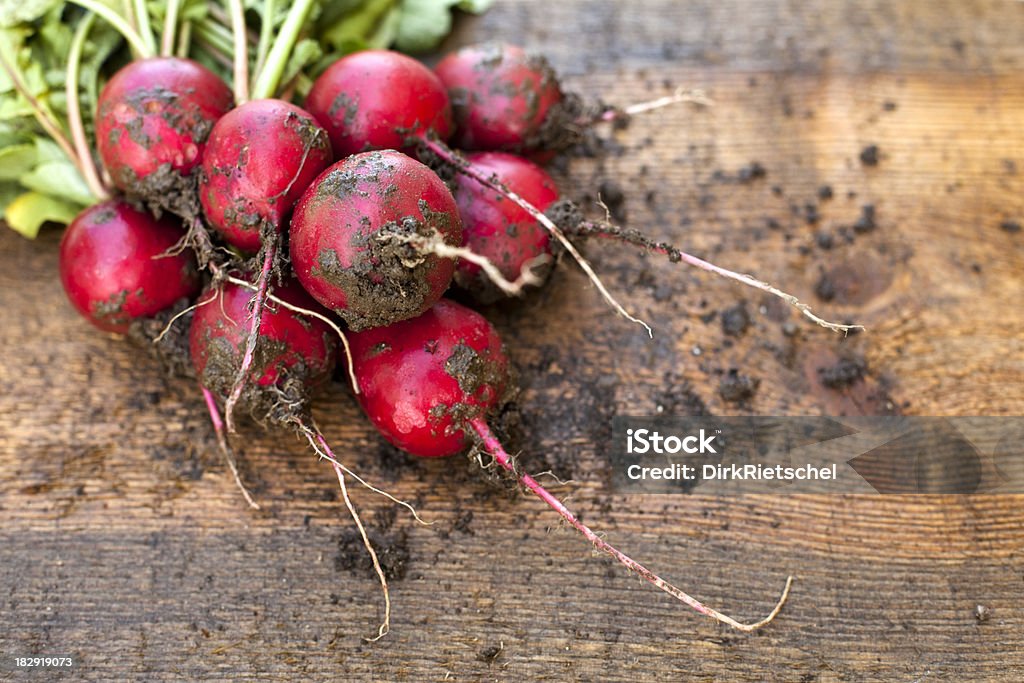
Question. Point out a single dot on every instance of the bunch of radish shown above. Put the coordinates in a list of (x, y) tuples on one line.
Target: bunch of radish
[(290, 238)]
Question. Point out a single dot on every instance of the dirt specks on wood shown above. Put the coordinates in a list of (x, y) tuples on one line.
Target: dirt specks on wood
[(843, 373)]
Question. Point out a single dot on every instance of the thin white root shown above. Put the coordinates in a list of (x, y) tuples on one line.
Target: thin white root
[(314, 439), (435, 244), (679, 96), (751, 281), (577, 256), (493, 183), (386, 624), (177, 316), (313, 314)]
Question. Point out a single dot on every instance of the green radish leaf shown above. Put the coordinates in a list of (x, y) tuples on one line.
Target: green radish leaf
[(58, 179), (306, 52), (27, 213), (14, 12), (425, 23), (17, 160)]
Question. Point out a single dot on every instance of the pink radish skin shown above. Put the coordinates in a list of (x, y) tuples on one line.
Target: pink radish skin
[(259, 159), (501, 97), (115, 268), (378, 99), (153, 118), (495, 227), (339, 246), (417, 376)]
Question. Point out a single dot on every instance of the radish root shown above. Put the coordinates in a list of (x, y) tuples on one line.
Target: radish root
[(497, 451), (258, 301), (385, 625), (313, 314), (320, 446), (218, 428), (435, 244), (607, 230), (323, 450), (461, 165)]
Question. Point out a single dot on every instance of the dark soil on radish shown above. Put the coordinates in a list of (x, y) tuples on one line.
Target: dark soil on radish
[(347, 232)]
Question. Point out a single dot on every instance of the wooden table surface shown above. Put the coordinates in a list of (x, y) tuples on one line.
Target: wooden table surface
[(124, 542)]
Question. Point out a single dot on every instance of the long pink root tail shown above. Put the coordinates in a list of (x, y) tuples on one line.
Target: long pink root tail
[(497, 451), (225, 449), (258, 301), (605, 230)]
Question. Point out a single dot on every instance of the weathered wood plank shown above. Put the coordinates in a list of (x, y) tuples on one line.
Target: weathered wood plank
[(125, 542)]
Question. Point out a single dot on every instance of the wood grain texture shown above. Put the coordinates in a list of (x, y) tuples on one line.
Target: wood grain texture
[(123, 540)]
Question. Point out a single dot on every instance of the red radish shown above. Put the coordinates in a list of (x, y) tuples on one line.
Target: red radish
[(115, 267), (378, 99), (259, 159), (348, 238), (152, 121), (429, 381), (502, 98), (495, 227), (295, 352), (351, 99), (421, 380)]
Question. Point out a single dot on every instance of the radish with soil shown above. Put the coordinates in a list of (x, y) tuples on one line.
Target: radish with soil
[(429, 385), (351, 110), (115, 267), (350, 238), (498, 229), (152, 122), (295, 354), (259, 159)]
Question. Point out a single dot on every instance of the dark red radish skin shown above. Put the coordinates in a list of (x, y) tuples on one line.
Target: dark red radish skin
[(115, 267), (422, 380), (153, 119), (259, 159), (339, 246), (502, 97), (495, 227), (291, 345), (379, 99)]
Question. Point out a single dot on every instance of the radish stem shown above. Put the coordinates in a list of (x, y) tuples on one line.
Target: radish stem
[(241, 59), (119, 23), (497, 451), (184, 40), (170, 28), (41, 114), (145, 28), (269, 77), (266, 33), (86, 163)]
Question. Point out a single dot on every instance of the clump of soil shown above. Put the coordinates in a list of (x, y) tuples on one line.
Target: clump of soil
[(866, 222), (735, 320), (736, 388), (869, 155), (843, 373)]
